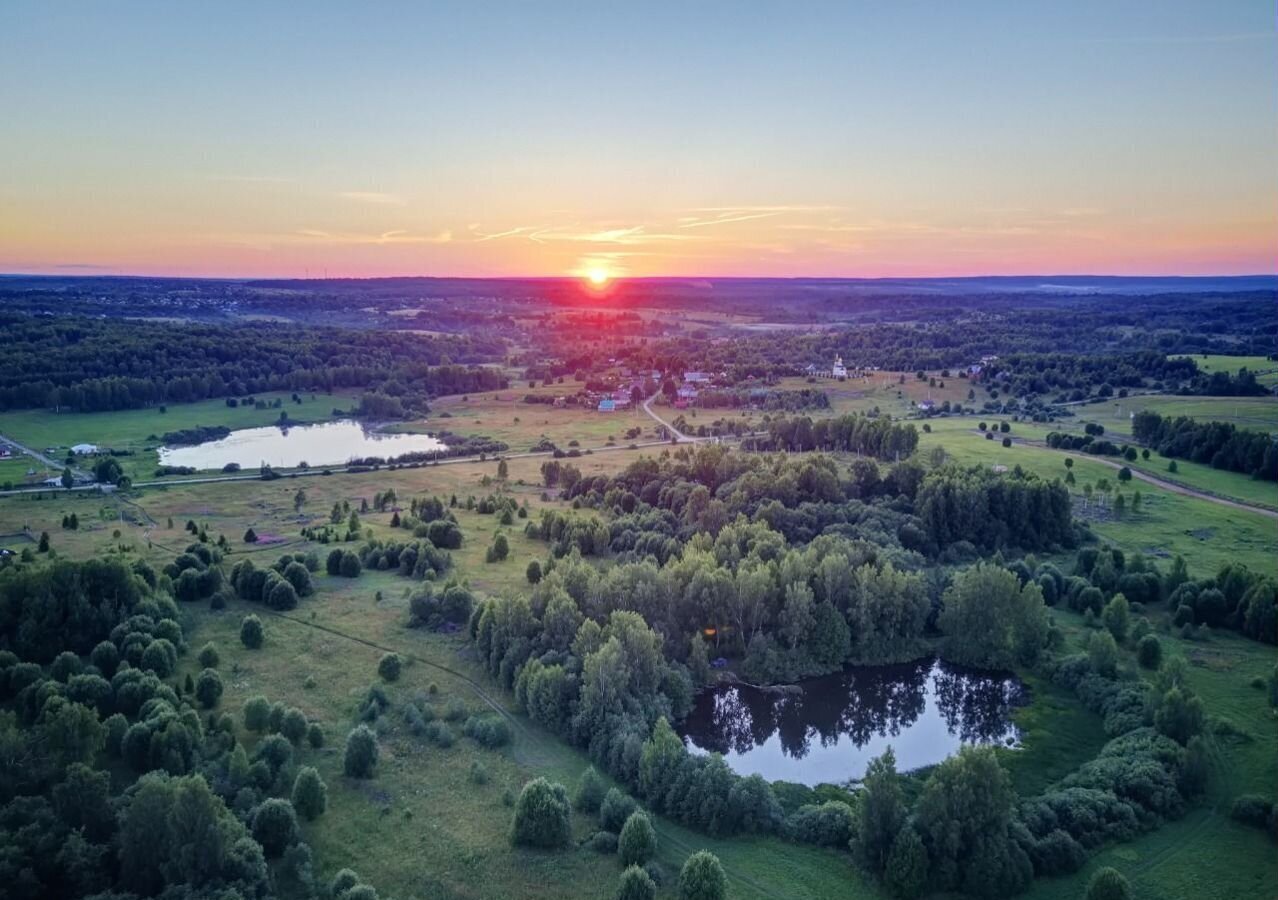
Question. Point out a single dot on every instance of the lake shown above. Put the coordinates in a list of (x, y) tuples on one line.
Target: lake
[(319, 445), (925, 710)]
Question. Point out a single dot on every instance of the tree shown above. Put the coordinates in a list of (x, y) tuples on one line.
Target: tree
[(67, 478), (1124, 474), (1179, 715), (616, 808), (1149, 652), (990, 620), (1108, 884), (361, 753), (389, 667), (906, 873), (251, 633), (881, 812), (703, 878), (250, 536), (590, 791), (310, 794), (1116, 616), (533, 572), (208, 688), (1102, 652), (43, 546), (638, 841), (293, 725), (964, 814), (542, 816), (503, 470), (636, 884), (275, 826)]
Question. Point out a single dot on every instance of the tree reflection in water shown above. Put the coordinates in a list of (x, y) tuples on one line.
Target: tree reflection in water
[(924, 709)]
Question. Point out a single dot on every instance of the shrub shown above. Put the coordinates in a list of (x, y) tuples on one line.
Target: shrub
[(275, 826), (831, 824), (1253, 810), (615, 809), (209, 657), (636, 884), (257, 712), (440, 735), (602, 842), (251, 633), (488, 731), (389, 667), (455, 710), (310, 794), (1108, 884), (478, 772), (349, 566), (315, 735), (638, 841), (361, 753), (293, 725), (533, 572), (208, 688), (702, 878), (275, 751), (542, 816), (590, 791)]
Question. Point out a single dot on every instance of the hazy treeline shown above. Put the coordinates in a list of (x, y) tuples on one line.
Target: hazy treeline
[(1220, 445)]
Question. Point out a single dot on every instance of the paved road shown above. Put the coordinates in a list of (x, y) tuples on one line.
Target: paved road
[(1174, 487), (680, 437)]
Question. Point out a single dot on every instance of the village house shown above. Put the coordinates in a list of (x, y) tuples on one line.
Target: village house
[(696, 377), (84, 449)]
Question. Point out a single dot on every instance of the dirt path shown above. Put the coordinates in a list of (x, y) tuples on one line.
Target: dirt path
[(680, 437), (1171, 486)]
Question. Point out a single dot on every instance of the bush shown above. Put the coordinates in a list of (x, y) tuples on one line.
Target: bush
[(361, 753), (257, 712), (533, 572), (209, 657), (1253, 810), (602, 842), (315, 735), (275, 826), (542, 816), (638, 841), (293, 725), (615, 809), (1108, 884), (1149, 652), (251, 633), (590, 791), (830, 824), (906, 871), (440, 735), (455, 710), (488, 731), (636, 884), (208, 688), (702, 878), (349, 566), (310, 794), (478, 772), (389, 667)]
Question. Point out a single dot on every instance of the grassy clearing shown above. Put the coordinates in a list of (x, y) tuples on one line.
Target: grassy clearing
[(131, 429), (1207, 534), (1265, 369), (1258, 413)]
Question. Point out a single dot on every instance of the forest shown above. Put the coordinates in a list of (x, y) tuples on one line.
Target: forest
[(1218, 444)]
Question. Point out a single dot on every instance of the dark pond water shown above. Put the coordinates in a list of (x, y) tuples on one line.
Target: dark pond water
[(319, 445), (924, 710)]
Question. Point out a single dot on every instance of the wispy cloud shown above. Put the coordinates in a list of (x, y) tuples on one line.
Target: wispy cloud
[(724, 219), (480, 236), (398, 236), (376, 197), (633, 235)]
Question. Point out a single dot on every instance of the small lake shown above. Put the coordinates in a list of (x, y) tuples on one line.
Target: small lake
[(319, 445), (924, 710)]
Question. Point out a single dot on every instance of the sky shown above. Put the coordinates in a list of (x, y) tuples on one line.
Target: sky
[(697, 138)]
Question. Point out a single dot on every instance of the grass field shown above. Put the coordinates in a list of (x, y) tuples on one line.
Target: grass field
[(1266, 369), (1258, 413), (129, 430)]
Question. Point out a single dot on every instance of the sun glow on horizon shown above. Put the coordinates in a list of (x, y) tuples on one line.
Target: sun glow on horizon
[(598, 276)]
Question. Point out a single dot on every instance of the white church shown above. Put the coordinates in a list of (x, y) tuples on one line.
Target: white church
[(839, 370)]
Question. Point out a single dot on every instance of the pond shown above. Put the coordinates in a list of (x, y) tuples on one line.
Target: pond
[(318, 445), (827, 733)]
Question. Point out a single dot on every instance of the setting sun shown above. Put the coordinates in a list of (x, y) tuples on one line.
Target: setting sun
[(597, 276)]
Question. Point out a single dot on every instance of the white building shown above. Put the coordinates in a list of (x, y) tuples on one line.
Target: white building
[(838, 370), (696, 377), (84, 449)]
